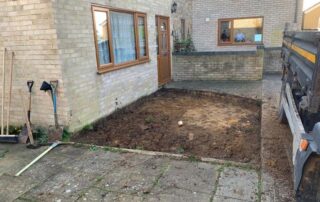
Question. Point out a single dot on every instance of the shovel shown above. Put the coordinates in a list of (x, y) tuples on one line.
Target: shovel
[(25, 131), (54, 134), (28, 126)]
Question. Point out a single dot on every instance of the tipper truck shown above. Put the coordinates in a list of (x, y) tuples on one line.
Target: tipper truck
[(300, 108)]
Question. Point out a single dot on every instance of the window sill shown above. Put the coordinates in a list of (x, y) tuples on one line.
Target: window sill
[(240, 44), (103, 70)]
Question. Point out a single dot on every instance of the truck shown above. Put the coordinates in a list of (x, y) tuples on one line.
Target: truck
[(300, 109)]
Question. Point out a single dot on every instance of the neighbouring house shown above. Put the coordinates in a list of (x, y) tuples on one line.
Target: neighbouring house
[(236, 40), (182, 25), (311, 18), (104, 53)]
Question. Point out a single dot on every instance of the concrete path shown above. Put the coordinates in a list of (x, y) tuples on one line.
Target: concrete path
[(94, 174), (276, 141), (70, 173)]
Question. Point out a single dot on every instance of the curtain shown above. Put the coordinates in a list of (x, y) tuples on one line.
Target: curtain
[(104, 52), (123, 38)]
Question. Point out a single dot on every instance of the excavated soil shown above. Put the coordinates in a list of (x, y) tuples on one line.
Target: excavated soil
[(214, 125)]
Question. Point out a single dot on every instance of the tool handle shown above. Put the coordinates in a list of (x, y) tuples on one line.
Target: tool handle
[(30, 85), (29, 116), (3, 90), (10, 92), (26, 118)]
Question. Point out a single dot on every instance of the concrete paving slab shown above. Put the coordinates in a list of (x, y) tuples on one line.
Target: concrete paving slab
[(68, 184), (226, 199), (69, 151), (178, 195), (11, 187), (196, 176), (42, 170), (238, 184), (98, 163), (268, 194), (16, 156), (134, 178), (48, 197), (95, 194)]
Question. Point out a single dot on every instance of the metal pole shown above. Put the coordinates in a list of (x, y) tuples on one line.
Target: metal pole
[(38, 158), (54, 145), (3, 91)]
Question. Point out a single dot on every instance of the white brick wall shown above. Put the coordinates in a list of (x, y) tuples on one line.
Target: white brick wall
[(218, 66), (27, 28)]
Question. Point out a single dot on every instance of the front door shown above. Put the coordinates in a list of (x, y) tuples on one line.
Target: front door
[(164, 55)]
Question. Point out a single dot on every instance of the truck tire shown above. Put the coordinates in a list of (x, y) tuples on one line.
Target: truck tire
[(282, 116), (309, 189)]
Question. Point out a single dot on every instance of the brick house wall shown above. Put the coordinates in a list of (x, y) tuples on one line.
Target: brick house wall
[(28, 28), (90, 95), (276, 14), (205, 16), (53, 40)]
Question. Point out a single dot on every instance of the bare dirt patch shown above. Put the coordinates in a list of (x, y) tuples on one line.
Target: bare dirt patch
[(214, 125)]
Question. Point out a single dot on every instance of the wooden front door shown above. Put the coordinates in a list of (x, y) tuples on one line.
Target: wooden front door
[(164, 52)]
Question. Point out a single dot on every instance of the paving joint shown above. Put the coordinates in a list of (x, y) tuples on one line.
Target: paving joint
[(245, 166), (260, 188), (216, 183), (3, 153)]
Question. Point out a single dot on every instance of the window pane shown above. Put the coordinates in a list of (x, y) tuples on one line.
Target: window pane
[(225, 35), (101, 24), (157, 35), (142, 36), (183, 29), (123, 38), (248, 30)]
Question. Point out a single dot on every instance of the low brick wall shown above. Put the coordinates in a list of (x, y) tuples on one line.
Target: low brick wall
[(272, 60), (244, 65)]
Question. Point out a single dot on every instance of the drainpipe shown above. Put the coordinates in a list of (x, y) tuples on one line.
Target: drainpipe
[(296, 12)]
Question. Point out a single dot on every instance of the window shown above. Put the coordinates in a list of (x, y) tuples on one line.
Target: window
[(241, 31), (121, 38)]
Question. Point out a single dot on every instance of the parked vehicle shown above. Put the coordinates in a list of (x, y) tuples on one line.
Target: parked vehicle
[(300, 108)]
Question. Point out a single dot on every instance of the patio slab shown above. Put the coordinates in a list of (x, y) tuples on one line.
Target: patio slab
[(238, 184), (82, 174)]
